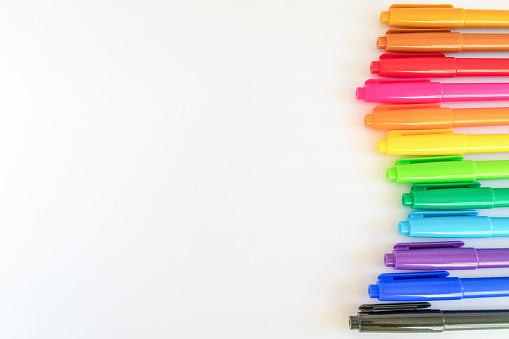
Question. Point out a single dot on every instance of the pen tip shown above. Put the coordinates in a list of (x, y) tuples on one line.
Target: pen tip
[(382, 145), (374, 67), (353, 322), (381, 42), (360, 93)]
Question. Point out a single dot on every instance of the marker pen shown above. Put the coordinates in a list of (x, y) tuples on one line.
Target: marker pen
[(447, 196), (433, 116), (441, 142), (442, 15), (416, 317), (424, 91), (445, 255), (453, 224), (435, 285), (450, 168), (441, 40), (436, 65)]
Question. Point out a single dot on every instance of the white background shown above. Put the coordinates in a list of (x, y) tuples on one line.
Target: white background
[(196, 169)]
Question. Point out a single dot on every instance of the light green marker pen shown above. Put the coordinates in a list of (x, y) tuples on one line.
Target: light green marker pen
[(450, 168)]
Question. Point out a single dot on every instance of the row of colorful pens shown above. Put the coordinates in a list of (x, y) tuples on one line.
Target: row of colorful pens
[(445, 188)]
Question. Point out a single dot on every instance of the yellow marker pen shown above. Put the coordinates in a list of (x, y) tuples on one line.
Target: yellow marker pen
[(442, 16), (441, 142)]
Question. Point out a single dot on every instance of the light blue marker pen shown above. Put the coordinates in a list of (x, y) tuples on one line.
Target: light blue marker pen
[(453, 224)]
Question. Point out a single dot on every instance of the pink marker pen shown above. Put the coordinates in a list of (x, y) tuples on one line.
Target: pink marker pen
[(413, 91)]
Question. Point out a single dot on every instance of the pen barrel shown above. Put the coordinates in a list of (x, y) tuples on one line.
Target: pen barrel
[(475, 320), (457, 198), (482, 67), (473, 42), (483, 143), (418, 289), (488, 116), (435, 259), (446, 42), (493, 257), (475, 91), (498, 169), (454, 226), (485, 18), (416, 321), (500, 197), (485, 287)]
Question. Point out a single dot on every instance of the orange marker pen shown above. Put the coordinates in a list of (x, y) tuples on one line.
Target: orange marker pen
[(441, 40), (443, 16), (433, 116)]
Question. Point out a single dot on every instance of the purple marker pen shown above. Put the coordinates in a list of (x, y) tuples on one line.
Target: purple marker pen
[(450, 255)]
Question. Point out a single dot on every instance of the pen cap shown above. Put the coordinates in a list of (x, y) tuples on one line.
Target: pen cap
[(427, 142), (423, 16), (439, 169), (398, 321), (400, 91), (438, 40), (411, 116), (414, 65), (432, 256), (452, 196), (476, 320), (451, 224), (419, 286)]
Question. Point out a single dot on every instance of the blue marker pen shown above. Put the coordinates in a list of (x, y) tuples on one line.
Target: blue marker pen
[(435, 285), (453, 224)]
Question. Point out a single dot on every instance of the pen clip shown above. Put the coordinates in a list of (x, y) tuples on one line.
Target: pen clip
[(421, 6), (418, 30), (393, 307), (425, 245), (424, 187), (420, 160), (384, 108), (398, 81), (412, 275), (410, 55), (402, 133), (443, 213)]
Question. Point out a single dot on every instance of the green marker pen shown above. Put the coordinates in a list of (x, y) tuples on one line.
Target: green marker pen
[(449, 196), (446, 169)]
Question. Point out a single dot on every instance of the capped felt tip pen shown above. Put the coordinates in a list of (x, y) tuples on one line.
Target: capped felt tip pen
[(442, 15), (424, 91), (417, 317), (445, 255), (446, 168), (436, 65), (433, 116), (441, 142), (435, 285), (447, 196), (453, 224), (441, 40)]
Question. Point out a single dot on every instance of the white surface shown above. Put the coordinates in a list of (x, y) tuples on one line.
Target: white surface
[(194, 169)]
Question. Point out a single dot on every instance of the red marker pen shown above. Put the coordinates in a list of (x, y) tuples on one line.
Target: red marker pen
[(436, 65)]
